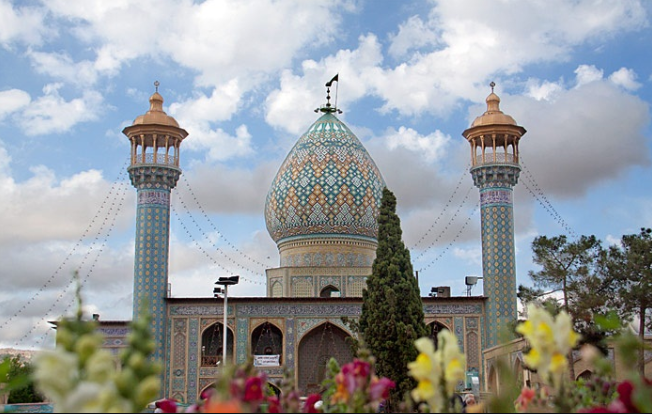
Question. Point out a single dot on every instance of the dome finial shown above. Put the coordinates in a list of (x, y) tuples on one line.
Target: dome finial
[(328, 108), (156, 84), (492, 84)]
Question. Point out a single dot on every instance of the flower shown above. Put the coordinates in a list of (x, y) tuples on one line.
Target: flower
[(524, 399), (437, 372), (551, 339), (311, 404), (355, 387)]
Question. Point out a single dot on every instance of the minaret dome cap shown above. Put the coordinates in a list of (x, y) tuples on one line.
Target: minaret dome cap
[(156, 115), (493, 115)]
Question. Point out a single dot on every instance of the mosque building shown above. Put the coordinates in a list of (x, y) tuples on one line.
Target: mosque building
[(321, 210)]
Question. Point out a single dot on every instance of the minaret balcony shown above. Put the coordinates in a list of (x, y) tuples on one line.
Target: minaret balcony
[(155, 160), (498, 158)]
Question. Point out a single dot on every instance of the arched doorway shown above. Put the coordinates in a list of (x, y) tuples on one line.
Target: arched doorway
[(315, 350), (211, 345), (267, 345), (435, 328)]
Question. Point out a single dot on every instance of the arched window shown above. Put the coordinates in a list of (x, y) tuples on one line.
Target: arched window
[(267, 345), (329, 291), (212, 345)]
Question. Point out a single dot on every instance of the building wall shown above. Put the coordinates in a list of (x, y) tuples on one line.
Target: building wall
[(302, 321)]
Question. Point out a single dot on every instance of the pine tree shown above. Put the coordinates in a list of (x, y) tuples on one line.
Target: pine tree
[(392, 312)]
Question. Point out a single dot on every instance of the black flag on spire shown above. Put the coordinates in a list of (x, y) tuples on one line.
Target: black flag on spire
[(335, 79)]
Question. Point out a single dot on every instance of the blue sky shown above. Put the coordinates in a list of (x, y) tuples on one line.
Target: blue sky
[(244, 77)]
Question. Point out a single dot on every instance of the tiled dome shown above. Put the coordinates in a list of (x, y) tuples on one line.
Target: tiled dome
[(327, 185)]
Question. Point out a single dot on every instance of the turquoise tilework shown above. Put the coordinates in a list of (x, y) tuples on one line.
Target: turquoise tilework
[(328, 184)]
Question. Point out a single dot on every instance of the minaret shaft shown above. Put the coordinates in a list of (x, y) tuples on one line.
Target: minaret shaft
[(155, 140), (494, 138)]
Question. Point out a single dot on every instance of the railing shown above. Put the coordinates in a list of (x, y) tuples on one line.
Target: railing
[(500, 158), (210, 360), (161, 159)]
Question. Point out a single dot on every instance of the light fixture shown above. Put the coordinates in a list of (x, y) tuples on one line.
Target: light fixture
[(225, 281), (470, 281)]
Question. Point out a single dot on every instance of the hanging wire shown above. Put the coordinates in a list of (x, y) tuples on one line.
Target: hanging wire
[(541, 198), (108, 222), (219, 233), (468, 220), (453, 217), (209, 256), (77, 245), (441, 213)]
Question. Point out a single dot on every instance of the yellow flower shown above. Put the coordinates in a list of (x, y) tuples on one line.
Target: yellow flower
[(437, 372), (424, 391), (558, 364), (550, 339)]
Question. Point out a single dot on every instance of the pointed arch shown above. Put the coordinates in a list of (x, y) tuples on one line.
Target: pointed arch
[(329, 292), (267, 339), (277, 289), (212, 342), (492, 383), (316, 348), (434, 328)]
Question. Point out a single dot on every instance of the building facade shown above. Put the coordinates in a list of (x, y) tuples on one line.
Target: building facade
[(321, 210)]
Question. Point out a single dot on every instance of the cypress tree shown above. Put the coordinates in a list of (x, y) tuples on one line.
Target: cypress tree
[(392, 312)]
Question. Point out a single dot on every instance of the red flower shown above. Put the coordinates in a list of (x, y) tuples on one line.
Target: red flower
[(253, 389), (309, 407), (273, 405), (167, 405)]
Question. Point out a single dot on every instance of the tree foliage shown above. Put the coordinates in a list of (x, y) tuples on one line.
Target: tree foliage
[(392, 312), (576, 269), (629, 266), (16, 373)]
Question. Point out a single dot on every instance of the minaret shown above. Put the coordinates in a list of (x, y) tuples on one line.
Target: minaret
[(495, 168), (154, 170)]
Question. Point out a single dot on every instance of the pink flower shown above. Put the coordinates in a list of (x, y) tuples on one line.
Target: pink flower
[(379, 388), (524, 399)]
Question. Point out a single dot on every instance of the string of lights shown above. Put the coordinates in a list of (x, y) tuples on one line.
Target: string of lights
[(541, 198), (108, 223), (68, 257), (263, 266), (209, 256), (468, 220), (453, 217), (104, 231), (441, 213)]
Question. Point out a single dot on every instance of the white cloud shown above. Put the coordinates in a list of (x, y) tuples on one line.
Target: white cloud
[(21, 24), (431, 146), (358, 73), (413, 34), (51, 113), (626, 78), (587, 74), (487, 39), (543, 90), (51, 209), (219, 40), (12, 100), (590, 134), (61, 66), (201, 109)]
